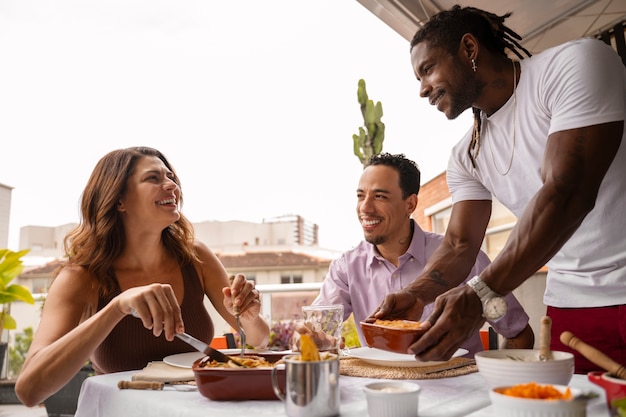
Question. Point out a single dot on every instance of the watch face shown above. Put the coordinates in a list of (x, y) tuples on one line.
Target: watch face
[(495, 308)]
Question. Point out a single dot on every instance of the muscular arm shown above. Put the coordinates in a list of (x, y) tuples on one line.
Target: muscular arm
[(448, 266), (575, 162)]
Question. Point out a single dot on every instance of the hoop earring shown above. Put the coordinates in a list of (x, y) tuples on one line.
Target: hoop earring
[(474, 65)]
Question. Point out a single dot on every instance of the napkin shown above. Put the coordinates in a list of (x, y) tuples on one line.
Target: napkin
[(163, 372)]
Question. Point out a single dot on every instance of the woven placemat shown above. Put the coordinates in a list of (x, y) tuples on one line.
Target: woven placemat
[(357, 367)]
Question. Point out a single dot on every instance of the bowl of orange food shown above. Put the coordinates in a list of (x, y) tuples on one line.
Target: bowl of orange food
[(392, 335), (230, 382), (533, 400)]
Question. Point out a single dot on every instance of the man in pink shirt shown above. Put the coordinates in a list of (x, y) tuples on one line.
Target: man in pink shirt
[(395, 250)]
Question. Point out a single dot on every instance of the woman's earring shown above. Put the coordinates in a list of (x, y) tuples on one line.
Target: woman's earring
[(474, 65)]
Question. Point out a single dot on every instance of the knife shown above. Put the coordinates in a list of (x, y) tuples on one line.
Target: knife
[(200, 346)]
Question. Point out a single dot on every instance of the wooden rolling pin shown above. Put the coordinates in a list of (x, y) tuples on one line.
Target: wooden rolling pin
[(594, 355), (154, 385), (544, 339)]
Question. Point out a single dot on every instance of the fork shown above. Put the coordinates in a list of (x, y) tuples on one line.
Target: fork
[(242, 334)]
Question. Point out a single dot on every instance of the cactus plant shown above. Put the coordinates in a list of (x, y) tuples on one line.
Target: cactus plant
[(369, 141)]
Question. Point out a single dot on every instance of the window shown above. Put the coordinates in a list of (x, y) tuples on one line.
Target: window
[(291, 279), (498, 229)]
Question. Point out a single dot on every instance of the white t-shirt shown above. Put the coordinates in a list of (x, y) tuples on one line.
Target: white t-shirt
[(579, 83)]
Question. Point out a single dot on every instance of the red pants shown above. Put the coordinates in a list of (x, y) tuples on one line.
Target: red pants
[(604, 328)]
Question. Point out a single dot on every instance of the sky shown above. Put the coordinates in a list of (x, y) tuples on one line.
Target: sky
[(254, 104)]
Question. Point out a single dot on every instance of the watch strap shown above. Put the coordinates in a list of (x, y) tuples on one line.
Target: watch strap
[(481, 289)]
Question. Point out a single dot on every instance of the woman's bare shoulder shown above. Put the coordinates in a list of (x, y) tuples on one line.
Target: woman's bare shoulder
[(204, 253), (75, 278)]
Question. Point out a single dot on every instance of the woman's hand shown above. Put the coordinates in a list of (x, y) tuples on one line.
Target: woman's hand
[(156, 306), (242, 293)]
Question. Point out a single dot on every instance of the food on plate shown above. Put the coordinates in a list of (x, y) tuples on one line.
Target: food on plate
[(398, 324), (248, 361), (536, 391)]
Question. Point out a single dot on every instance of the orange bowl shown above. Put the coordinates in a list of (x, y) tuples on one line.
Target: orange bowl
[(393, 339), (238, 384)]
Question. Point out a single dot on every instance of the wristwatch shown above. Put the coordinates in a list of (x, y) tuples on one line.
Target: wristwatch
[(494, 305)]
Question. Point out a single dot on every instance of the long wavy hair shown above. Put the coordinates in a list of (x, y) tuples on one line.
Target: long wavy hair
[(99, 239)]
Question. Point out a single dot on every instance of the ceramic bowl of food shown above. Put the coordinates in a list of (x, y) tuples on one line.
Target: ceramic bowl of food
[(392, 335), (228, 382), (507, 367), (534, 400), (392, 398), (614, 388)]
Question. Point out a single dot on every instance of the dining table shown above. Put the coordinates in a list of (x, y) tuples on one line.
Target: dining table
[(463, 395)]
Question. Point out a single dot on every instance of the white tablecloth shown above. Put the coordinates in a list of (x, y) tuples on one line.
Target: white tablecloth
[(465, 395)]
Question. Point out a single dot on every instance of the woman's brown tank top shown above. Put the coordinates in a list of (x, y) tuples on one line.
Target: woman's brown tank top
[(131, 346)]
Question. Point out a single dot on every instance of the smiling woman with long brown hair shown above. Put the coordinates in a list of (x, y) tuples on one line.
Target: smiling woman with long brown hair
[(132, 253)]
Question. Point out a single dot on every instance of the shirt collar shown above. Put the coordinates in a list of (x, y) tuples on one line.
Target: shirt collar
[(417, 248)]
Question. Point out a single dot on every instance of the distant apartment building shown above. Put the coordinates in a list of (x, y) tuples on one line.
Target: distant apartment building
[(5, 214)]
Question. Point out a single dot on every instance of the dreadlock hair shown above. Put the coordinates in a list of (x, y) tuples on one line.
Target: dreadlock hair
[(445, 30)]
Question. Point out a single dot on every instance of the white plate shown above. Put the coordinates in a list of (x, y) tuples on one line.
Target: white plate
[(183, 360), (186, 360), (386, 358)]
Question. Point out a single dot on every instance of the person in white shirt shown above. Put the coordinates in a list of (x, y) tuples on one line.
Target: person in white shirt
[(547, 143)]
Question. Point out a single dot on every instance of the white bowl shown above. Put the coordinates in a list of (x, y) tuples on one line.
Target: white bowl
[(392, 398), (508, 367), (508, 406)]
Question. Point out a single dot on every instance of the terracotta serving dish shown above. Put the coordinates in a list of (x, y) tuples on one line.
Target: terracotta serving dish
[(390, 338), (238, 384)]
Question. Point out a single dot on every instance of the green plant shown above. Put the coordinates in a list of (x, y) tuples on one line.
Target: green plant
[(17, 352), (280, 335), (371, 135), (349, 333), (10, 267)]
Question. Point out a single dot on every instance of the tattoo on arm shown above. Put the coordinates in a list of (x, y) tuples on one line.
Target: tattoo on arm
[(437, 277)]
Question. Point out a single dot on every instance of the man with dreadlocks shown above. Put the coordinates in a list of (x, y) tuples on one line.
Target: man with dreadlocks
[(546, 143)]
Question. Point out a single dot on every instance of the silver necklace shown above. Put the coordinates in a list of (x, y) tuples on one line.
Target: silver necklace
[(514, 126)]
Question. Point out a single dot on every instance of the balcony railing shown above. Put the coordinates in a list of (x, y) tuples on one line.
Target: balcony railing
[(268, 291)]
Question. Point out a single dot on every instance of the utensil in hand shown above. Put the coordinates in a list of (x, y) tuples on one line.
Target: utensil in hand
[(200, 346), (593, 355), (206, 349), (236, 309), (544, 339)]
